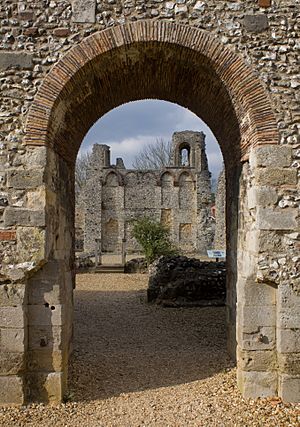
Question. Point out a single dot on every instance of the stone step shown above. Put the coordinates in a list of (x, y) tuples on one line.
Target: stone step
[(118, 268)]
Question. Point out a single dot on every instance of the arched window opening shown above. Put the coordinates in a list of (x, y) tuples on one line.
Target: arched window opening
[(185, 157)]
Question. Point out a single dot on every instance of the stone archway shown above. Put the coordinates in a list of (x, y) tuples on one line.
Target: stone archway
[(187, 66)]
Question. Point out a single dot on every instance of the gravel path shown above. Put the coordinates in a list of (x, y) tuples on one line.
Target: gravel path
[(136, 364)]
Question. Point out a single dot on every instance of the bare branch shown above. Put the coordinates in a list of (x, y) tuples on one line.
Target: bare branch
[(154, 156), (82, 164)]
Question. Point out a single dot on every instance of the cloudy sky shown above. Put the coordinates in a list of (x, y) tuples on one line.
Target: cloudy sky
[(128, 128)]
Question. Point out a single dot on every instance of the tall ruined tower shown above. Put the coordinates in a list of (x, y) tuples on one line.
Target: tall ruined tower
[(189, 154), (93, 195), (188, 150)]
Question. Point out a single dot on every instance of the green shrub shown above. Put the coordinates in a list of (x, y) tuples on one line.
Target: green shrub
[(153, 238)]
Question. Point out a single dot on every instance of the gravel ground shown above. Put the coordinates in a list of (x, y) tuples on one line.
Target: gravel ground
[(136, 364)]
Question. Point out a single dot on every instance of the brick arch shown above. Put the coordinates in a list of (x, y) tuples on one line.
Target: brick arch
[(141, 60), (137, 61)]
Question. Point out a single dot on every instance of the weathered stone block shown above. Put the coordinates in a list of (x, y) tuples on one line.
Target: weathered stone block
[(257, 384), (275, 219), (15, 59), (288, 340), (84, 11), (22, 179), (253, 317), (26, 217), (46, 387), (270, 156), (288, 297), (246, 263), (36, 157), (55, 386), (256, 294), (276, 176), (256, 360), (11, 390), (261, 196), (251, 242), (255, 23), (288, 318), (30, 244), (12, 317), (36, 199), (12, 294), (45, 315), (47, 361), (13, 340), (262, 338), (52, 284), (270, 241), (289, 363), (289, 388), (11, 363), (46, 337), (42, 291)]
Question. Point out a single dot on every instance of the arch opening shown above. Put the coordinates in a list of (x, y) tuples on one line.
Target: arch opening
[(185, 156), (141, 61)]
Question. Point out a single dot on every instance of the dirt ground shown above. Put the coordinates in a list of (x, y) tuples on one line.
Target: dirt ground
[(138, 365)]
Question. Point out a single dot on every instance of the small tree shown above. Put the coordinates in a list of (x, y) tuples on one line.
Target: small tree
[(154, 238)]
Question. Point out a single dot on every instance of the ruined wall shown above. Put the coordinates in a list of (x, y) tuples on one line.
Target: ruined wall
[(35, 35), (36, 212), (220, 230), (171, 195)]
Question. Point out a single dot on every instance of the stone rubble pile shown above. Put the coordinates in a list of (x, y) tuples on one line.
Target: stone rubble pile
[(136, 265), (182, 281), (84, 261)]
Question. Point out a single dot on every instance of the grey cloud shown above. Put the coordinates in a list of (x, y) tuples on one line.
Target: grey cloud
[(127, 128)]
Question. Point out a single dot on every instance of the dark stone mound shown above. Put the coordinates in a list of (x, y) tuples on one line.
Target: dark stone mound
[(180, 281), (84, 261), (136, 265)]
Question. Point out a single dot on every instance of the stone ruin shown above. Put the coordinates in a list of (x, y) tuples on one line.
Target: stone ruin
[(176, 281), (63, 65), (220, 205), (179, 196)]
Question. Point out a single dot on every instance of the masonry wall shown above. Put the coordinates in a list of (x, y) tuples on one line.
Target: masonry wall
[(177, 196), (220, 202), (35, 219)]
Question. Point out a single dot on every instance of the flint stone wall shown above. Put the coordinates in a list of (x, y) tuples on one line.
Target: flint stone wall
[(177, 196), (220, 228), (183, 281), (262, 206)]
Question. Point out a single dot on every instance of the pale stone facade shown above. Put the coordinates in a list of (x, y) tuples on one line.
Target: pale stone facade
[(63, 65), (179, 196)]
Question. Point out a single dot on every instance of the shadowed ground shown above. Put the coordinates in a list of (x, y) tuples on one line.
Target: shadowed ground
[(136, 365), (122, 344)]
